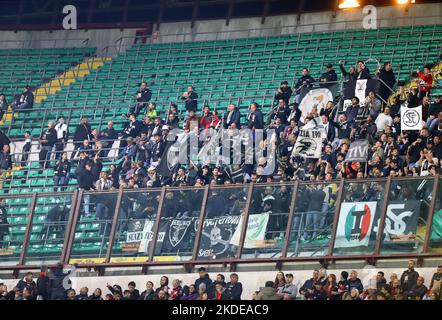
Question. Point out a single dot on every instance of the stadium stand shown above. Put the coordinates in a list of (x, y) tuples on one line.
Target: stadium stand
[(68, 222)]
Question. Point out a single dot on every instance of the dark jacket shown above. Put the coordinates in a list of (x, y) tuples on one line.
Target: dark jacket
[(108, 134), (357, 283), (409, 280), (135, 295), (389, 79), (329, 76), (83, 132), (234, 118), (22, 284), (43, 286), (210, 288), (146, 95), (285, 95), (132, 129), (4, 224), (308, 78), (147, 296), (364, 74), (346, 75), (50, 135), (85, 179), (255, 120), (62, 168), (234, 290), (191, 102)]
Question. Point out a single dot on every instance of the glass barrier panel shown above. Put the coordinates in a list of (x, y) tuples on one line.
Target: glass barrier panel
[(312, 220), (268, 215), (359, 216), (179, 220), (91, 237), (222, 225), (136, 218), (14, 215), (435, 244), (51, 217), (407, 213)]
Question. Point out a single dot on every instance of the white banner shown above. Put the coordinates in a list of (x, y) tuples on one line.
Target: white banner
[(411, 118), (315, 98), (355, 224), (255, 232), (360, 89), (308, 144)]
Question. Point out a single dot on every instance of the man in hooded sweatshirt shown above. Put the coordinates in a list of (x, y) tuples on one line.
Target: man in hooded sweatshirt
[(409, 278)]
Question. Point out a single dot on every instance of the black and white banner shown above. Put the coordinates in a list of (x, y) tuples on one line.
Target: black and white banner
[(216, 236), (358, 151), (360, 88), (308, 144)]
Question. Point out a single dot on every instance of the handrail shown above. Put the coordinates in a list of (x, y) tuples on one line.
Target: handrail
[(77, 202)]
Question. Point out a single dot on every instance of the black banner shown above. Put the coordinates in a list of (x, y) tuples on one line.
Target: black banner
[(216, 236), (179, 235), (350, 88)]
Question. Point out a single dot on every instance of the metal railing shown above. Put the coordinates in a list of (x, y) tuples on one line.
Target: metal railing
[(72, 242)]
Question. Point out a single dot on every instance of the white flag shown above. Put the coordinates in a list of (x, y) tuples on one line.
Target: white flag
[(411, 118), (308, 144), (360, 89)]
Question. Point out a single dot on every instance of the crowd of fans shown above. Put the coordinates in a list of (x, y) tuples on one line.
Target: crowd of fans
[(50, 285), (392, 152)]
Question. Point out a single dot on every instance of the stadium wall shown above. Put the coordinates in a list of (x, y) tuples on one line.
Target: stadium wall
[(392, 16), (107, 41)]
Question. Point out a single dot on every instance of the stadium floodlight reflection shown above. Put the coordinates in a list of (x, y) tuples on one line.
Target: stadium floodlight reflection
[(405, 1), (349, 4)]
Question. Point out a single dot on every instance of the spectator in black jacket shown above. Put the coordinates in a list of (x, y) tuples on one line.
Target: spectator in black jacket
[(308, 288), (409, 278), (48, 138), (25, 101), (86, 181), (83, 295), (362, 71), (4, 139), (3, 105), (348, 76), (132, 130), (27, 282), (96, 295), (255, 119), (329, 76), (61, 171), (4, 224), (303, 85), (26, 149), (355, 282), (386, 74), (205, 279), (234, 288), (107, 138), (190, 98), (58, 292), (281, 112), (134, 293), (232, 118), (144, 94), (284, 92), (83, 132), (419, 291), (149, 293)]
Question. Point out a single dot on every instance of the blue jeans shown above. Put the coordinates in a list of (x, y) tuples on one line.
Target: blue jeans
[(432, 124)]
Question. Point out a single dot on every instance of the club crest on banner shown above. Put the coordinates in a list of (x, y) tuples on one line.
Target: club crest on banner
[(411, 118), (315, 98), (177, 231)]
